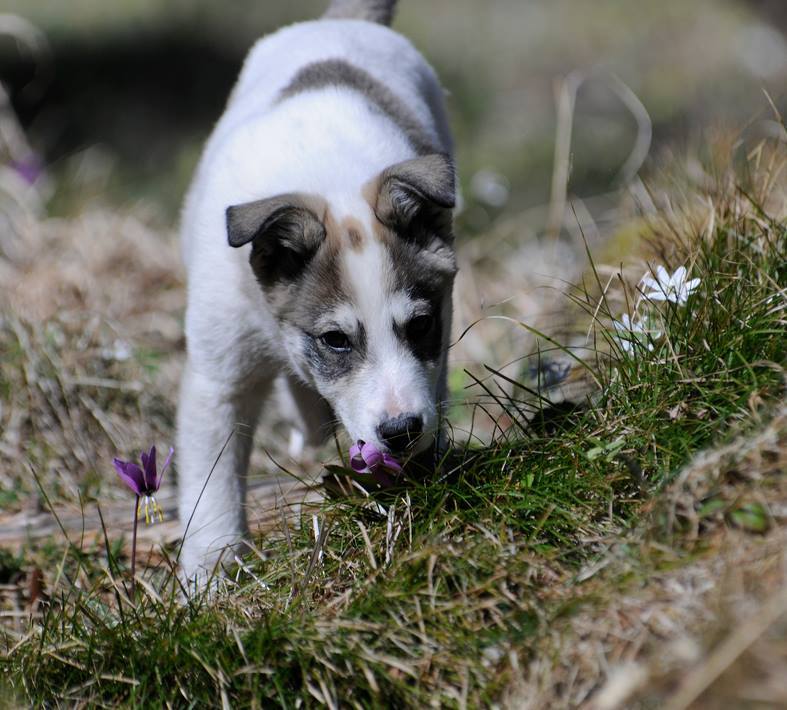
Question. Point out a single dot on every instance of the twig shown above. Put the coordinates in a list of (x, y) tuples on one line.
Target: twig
[(566, 99), (726, 654)]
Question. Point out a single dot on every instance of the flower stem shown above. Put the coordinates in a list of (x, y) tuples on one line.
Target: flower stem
[(134, 551)]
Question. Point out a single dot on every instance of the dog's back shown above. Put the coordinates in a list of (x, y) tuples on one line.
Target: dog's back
[(341, 80)]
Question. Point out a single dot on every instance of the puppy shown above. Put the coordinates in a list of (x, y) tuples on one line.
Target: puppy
[(317, 236)]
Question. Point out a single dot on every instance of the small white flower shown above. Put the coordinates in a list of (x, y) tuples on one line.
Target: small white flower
[(626, 332), (630, 332), (664, 287)]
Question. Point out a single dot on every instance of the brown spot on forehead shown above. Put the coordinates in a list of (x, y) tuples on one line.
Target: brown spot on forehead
[(356, 238), (349, 232), (354, 230)]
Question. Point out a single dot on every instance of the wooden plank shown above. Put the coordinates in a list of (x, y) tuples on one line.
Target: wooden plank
[(268, 500)]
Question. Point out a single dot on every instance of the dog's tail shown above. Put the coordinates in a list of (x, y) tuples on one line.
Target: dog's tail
[(372, 10)]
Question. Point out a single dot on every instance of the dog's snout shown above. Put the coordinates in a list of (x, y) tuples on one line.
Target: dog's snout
[(398, 433)]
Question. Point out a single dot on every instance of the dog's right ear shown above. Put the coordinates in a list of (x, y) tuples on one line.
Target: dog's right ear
[(416, 187), (285, 233)]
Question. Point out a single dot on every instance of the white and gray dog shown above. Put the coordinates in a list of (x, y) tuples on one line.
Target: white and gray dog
[(317, 236)]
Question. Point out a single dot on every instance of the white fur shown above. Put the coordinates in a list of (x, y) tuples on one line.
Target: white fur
[(378, 390), (261, 148)]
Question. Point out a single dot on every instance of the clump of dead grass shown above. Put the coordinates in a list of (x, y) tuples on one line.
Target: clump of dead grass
[(681, 625), (89, 328)]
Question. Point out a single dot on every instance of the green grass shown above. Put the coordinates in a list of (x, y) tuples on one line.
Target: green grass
[(430, 602)]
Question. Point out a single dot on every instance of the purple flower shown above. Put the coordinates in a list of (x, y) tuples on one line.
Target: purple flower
[(367, 458), (29, 170), (144, 481)]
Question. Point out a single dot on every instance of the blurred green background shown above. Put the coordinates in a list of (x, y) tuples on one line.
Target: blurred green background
[(122, 93)]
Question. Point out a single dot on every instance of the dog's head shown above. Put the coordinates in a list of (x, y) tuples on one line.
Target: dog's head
[(362, 295)]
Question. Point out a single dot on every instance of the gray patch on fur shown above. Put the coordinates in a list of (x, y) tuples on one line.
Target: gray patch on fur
[(415, 203), (411, 189), (339, 73), (285, 234), (331, 365), (252, 219), (303, 300), (372, 10), (425, 276), (299, 273)]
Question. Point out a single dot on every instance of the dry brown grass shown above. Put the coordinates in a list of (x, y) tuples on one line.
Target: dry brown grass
[(90, 334), (703, 624)]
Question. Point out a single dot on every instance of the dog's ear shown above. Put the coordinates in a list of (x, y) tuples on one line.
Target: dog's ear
[(285, 233), (419, 190)]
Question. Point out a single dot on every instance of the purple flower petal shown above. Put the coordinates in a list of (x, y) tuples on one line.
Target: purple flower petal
[(149, 464), (131, 474), (371, 455), (143, 481), (391, 463), (29, 170), (367, 458), (357, 462)]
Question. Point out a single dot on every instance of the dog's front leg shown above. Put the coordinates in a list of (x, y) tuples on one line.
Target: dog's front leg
[(216, 422)]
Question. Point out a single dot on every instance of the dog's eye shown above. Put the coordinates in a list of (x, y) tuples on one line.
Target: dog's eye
[(419, 327), (337, 341)]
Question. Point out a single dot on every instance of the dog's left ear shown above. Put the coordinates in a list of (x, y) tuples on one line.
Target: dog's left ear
[(417, 190)]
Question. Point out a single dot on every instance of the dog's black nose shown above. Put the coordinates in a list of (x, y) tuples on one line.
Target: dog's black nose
[(400, 432)]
